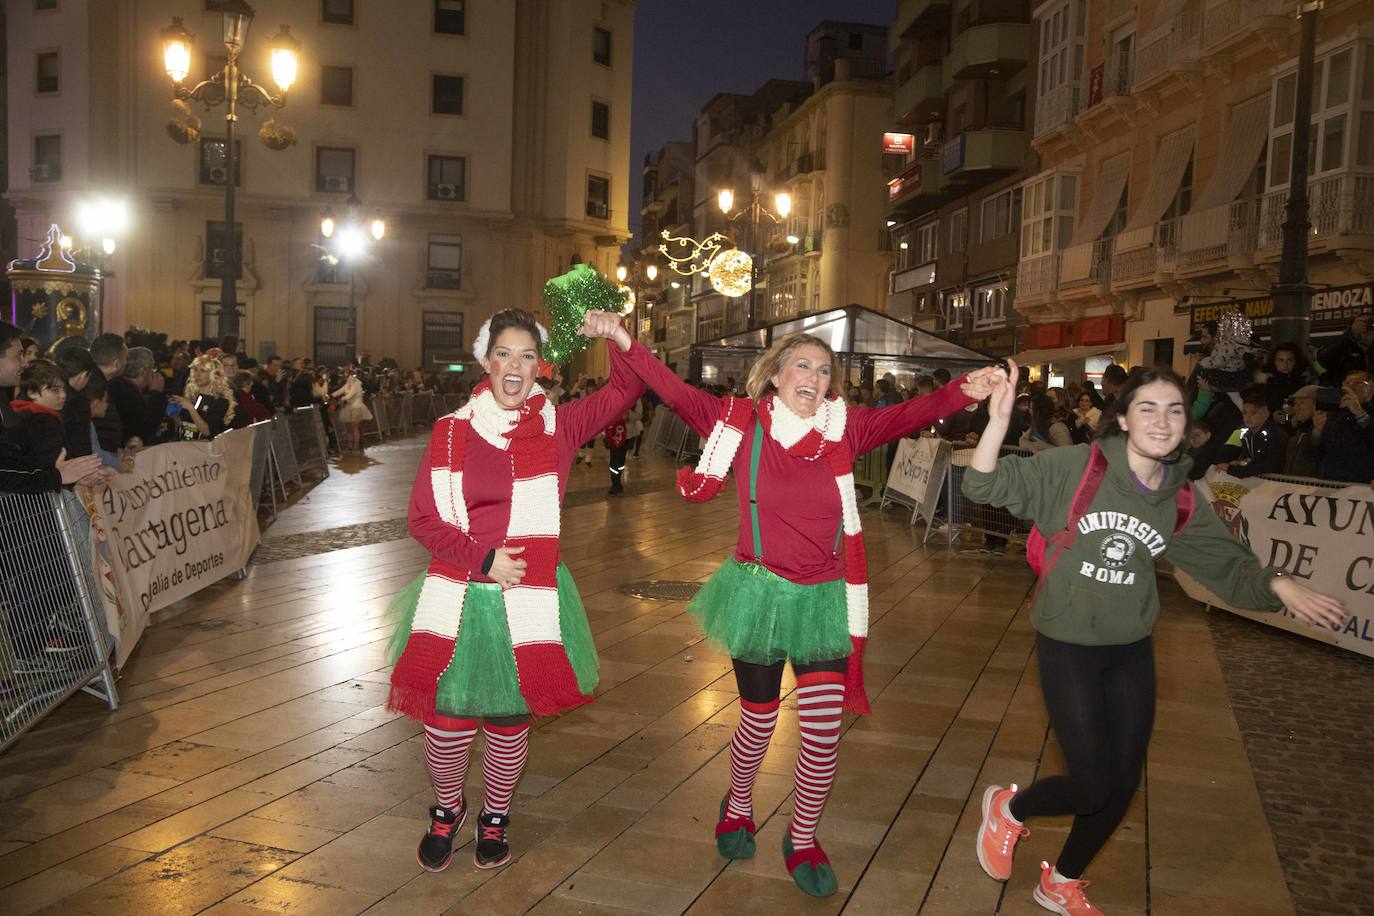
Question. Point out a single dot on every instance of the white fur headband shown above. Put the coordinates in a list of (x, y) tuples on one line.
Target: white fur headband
[(483, 339)]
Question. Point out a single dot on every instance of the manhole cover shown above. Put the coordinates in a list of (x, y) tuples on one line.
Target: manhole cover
[(661, 589)]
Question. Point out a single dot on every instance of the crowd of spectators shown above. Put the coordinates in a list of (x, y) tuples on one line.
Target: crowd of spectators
[(81, 413)]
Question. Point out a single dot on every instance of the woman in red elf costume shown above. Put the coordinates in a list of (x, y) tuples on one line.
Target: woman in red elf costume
[(796, 587), (494, 632)]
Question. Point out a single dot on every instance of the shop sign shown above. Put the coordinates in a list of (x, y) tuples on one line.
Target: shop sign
[(910, 180), (954, 154), (902, 144), (1332, 309)]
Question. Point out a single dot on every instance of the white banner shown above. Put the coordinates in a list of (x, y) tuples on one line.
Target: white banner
[(1321, 535), (917, 474), (183, 519)]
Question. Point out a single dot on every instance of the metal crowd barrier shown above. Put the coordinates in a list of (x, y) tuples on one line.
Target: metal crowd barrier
[(963, 515), (671, 436), (52, 628), (307, 440), (285, 448), (262, 459)]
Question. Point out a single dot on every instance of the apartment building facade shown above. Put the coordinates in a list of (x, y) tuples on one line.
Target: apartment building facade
[(960, 150), (493, 138), (1165, 137), (666, 319)]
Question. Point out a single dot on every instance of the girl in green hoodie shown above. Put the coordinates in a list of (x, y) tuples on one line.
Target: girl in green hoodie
[(1097, 605)]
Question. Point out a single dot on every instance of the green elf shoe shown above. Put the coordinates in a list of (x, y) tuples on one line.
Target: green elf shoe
[(734, 835), (810, 868)]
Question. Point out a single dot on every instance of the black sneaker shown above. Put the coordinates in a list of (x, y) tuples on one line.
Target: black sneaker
[(492, 850), (436, 846)]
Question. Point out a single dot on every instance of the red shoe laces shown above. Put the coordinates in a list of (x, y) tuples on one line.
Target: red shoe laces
[(492, 833), (439, 828), (1072, 891)]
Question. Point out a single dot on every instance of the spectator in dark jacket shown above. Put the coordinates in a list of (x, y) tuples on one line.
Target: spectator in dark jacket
[(1201, 449), (1299, 410), (80, 371), (1342, 440), (42, 391), (1354, 352), (21, 470), (138, 396), (1285, 371), (1263, 447), (110, 353)]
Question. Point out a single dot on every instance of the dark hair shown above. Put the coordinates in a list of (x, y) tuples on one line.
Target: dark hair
[(1090, 389), (1201, 424), (1301, 363), (1042, 415), (108, 349), (8, 335), (941, 377), (39, 374), (1211, 327), (26, 342), (1256, 397), (1114, 374), (75, 360), (1139, 377), (96, 387), (514, 318), (230, 343), (242, 378)]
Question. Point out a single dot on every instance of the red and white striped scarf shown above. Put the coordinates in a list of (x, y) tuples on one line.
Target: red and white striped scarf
[(547, 681), (816, 438)]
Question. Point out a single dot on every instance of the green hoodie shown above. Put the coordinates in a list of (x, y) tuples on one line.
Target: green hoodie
[(1102, 592)]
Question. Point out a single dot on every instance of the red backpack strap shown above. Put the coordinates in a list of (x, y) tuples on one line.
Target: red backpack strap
[(1186, 503), (1083, 497)]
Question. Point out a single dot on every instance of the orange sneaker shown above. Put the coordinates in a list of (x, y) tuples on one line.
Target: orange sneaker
[(1062, 897), (998, 836)]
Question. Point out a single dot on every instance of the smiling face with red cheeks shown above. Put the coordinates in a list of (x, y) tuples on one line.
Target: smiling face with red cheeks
[(512, 362), (1156, 420), (803, 380)]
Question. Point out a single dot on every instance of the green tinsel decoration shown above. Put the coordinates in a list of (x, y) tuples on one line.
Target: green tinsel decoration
[(569, 298)]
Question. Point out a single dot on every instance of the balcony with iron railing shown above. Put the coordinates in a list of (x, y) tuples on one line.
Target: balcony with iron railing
[(1218, 238), (1058, 107), (1340, 205), (1037, 276), (1086, 265), (1232, 23), (1143, 256), (1172, 48)]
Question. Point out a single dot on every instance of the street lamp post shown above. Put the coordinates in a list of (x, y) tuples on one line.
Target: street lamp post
[(1292, 295), (351, 244), (646, 271), (756, 214), (231, 87)]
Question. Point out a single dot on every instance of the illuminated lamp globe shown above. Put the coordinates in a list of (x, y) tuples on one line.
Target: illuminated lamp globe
[(629, 295), (731, 272)]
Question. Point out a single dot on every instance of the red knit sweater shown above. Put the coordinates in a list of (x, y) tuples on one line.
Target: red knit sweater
[(487, 474), (799, 505)]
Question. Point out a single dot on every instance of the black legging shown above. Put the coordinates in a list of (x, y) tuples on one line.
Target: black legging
[(1101, 701), (763, 683)]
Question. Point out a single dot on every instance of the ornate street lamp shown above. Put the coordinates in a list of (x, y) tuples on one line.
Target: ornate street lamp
[(231, 87)]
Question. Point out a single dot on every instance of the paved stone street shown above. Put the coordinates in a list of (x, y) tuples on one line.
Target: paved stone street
[(252, 768)]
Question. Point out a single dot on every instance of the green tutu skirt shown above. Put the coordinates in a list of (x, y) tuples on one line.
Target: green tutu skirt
[(481, 681), (757, 616)]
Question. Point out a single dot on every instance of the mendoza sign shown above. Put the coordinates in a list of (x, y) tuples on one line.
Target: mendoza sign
[(183, 519), (1321, 535), (1332, 309)]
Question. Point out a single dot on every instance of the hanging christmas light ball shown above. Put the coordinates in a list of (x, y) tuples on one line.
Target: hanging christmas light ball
[(629, 299), (731, 272)]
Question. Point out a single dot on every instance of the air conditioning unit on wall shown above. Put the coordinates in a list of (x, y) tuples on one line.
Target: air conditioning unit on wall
[(446, 191), (219, 174)]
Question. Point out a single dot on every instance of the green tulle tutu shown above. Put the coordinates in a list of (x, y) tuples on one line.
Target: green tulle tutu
[(757, 616), (481, 681)]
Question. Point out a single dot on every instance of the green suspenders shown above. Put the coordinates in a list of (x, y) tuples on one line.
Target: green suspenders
[(754, 487), (755, 453)]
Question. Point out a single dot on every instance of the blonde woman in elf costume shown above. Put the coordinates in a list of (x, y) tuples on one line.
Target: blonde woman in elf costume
[(495, 630), (795, 588)]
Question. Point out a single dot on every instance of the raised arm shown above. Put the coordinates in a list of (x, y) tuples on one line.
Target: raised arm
[(872, 427), (448, 543), (585, 417), (698, 409)]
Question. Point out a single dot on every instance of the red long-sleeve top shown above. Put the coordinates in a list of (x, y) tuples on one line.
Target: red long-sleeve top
[(487, 481), (798, 502)]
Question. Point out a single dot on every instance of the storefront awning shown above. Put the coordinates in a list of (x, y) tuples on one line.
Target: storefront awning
[(1106, 195), (1065, 354)]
